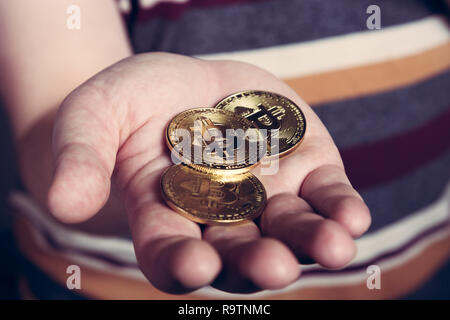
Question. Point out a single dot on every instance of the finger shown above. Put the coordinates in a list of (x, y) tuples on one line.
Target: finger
[(291, 219), (251, 263), (328, 190), (85, 143), (168, 247)]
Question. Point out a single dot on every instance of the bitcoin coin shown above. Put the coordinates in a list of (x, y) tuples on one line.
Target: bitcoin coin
[(280, 116), (213, 199), (208, 138)]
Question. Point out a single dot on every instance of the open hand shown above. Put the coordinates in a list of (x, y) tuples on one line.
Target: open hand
[(112, 129)]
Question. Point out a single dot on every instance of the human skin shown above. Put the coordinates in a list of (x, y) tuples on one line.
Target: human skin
[(110, 132)]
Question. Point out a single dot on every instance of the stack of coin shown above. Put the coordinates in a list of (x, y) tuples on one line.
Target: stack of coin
[(218, 146)]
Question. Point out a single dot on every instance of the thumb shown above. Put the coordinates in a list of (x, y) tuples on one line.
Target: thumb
[(85, 143)]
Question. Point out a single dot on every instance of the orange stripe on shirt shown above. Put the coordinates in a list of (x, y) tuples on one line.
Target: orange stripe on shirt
[(372, 79)]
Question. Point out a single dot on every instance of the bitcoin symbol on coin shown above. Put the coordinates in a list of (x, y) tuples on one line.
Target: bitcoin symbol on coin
[(271, 111)]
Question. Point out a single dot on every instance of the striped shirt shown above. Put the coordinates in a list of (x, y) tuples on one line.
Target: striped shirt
[(383, 95)]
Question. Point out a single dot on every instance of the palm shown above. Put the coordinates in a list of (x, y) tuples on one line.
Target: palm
[(114, 125)]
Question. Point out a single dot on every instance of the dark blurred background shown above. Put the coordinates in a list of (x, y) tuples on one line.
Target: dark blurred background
[(9, 180)]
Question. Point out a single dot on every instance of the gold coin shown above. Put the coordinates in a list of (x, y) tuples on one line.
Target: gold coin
[(273, 112), (208, 138), (213, 199)]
